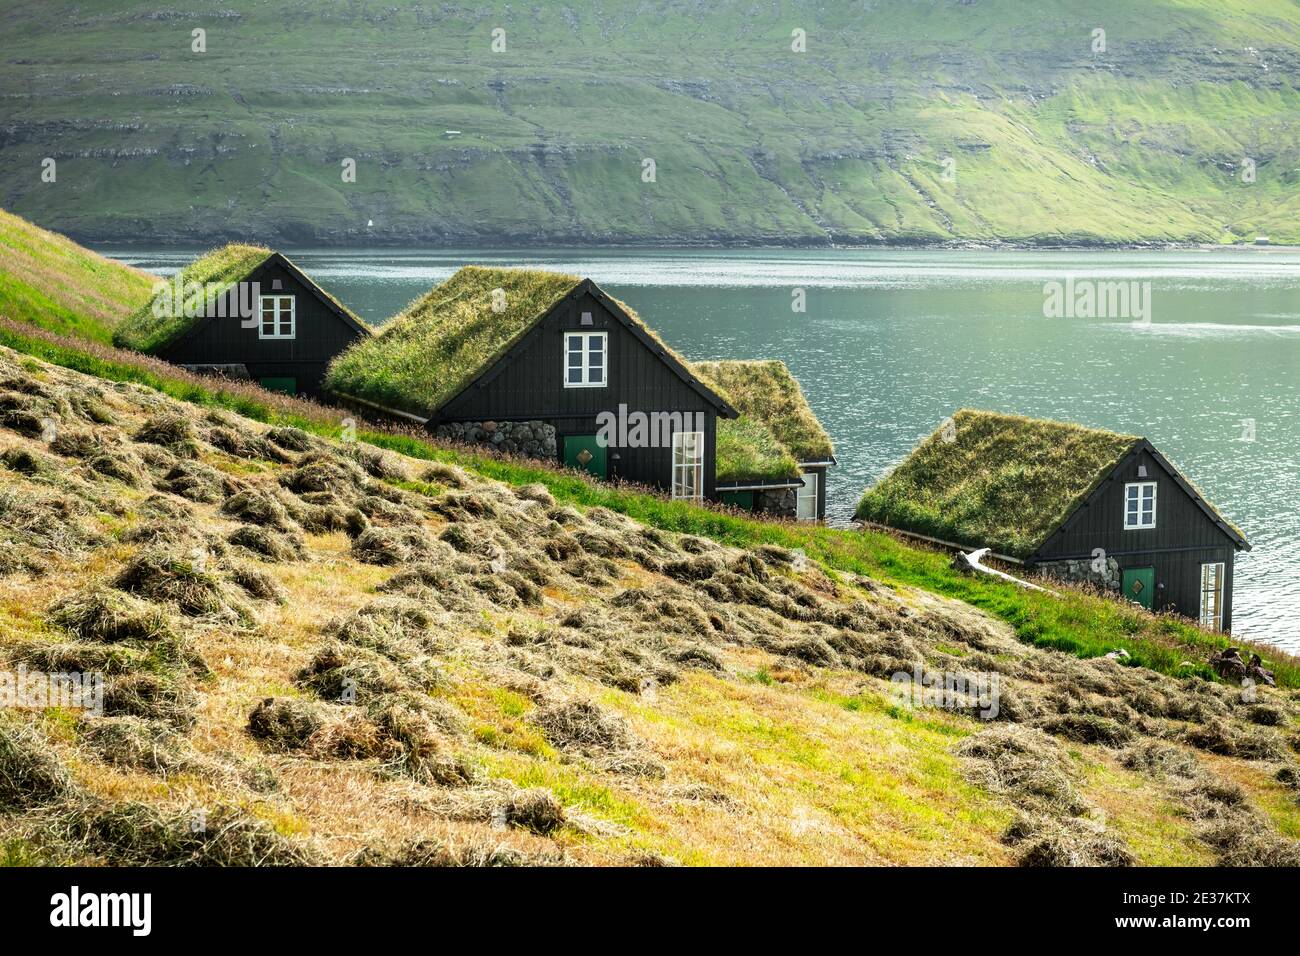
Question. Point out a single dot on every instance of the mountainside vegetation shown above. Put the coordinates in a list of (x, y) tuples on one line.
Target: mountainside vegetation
[(915, 122)]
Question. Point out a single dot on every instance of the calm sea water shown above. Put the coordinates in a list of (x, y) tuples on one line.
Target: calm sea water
[(891, 342)]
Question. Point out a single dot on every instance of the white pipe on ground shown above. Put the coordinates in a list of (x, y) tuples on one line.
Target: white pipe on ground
[(972, 562)]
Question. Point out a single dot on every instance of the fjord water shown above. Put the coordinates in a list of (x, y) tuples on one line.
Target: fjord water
[(893, 341)]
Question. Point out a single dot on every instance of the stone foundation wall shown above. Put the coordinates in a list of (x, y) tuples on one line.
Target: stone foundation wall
[(779, 502), (533, 439), (1083, 571)]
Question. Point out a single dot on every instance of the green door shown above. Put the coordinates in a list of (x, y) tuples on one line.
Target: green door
[(1139, 584), (583, 451), (744, 500), (277, 384)]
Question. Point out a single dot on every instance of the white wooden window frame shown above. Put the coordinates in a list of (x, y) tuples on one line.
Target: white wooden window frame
[(1212, 587), (808, 493), (586, 352), (277, 321), (1137, 519), (688, 466)]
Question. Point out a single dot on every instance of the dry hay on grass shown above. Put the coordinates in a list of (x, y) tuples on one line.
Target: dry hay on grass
[(387, 546), (268, 544), (30, 775), (165, 577), (240, 441), (1025, 765), (292, 724), (1245, 741), (197, 482), (118, 464), (68, 657), (100, 613), (581, 726), (30, 414), (395, 626), (338, 670), (38, 526), (1053, 841), (383, 510), (151, 696), (441, 473), (135, 743), (536, 493), (258, 507), (325, 471), (139, 834), (165, 506), (501, 803), (171, 430), (439, 585), (30, 463), (1032, 771), (77, 443), (293, 439), (466, 851), (1160, 759), (397, 731), (1087, 729), (375, 461), (1239, 834)]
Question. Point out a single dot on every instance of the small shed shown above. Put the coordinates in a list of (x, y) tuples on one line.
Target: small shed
[(1079, 504), (769, 396), (246, 312)]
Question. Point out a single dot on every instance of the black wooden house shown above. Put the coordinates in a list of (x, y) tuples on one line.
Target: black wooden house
[(551, 366), (1078, 504), (246, 312)]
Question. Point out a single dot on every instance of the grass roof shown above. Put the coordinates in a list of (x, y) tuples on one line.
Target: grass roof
[(748, 451), (215, 272), (767, 392), (1001, 481), (442, 340)]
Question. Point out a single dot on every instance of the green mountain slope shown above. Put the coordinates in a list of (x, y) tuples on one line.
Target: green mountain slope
[(848, 141)]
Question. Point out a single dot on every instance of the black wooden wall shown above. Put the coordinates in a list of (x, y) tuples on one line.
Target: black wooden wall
[(530, 385), (321, 335), (1184, 537)]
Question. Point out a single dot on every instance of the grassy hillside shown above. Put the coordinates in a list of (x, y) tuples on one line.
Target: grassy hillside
[(325, 652), (1049, 141), (50, 281)]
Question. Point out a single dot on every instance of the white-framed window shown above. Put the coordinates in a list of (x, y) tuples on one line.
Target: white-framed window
[(1139, 505), (585, 359), (1212, 596), (806, 503), (688, 465), (278, 317)]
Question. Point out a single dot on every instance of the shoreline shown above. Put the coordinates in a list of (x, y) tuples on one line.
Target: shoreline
[(517, 243)]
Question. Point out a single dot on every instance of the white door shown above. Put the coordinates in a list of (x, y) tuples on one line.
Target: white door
[(807, 497), (1212, 596)]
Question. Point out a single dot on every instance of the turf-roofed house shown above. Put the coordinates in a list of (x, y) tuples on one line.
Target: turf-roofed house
[(550, 366), (1080, 504), (245, 312), (773, 459)]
